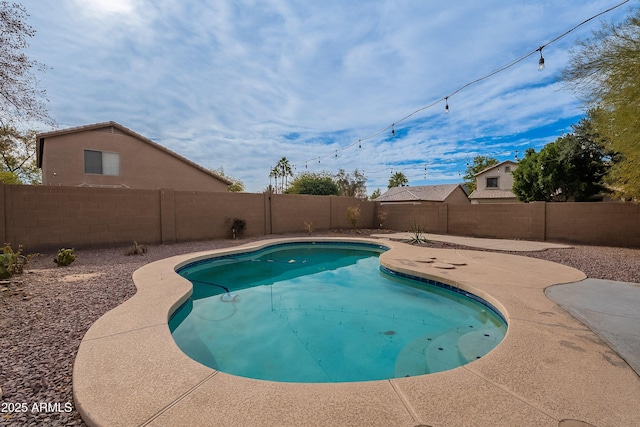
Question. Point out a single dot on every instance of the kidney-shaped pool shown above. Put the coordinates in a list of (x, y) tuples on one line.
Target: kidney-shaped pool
[(327, 312)]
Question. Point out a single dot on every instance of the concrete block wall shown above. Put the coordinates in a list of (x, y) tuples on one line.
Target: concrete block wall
[(602, 224), (209, 215), (340, 218), (505, 221), (289, 212), (49, 218), (431, 217)]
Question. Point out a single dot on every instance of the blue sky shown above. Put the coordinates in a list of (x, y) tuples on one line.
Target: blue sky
[(238, 84)]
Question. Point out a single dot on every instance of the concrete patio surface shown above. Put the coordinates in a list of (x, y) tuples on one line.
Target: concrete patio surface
[(608, 308), (549, 370)]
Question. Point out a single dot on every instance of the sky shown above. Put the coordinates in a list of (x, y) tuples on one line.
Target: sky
[(239, 84)]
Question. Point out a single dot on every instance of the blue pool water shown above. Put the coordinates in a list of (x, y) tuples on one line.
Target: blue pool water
[(326, 312)]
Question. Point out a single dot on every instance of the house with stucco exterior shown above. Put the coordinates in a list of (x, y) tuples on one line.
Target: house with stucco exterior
[(110, 155), (494, 184), (445, 193)]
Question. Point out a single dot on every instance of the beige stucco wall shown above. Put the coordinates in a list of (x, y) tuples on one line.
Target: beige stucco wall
[(505, 179), (142, 166), (458, 196)]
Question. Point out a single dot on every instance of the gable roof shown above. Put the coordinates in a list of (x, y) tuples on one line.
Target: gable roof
[(428, 193), (116, 128), (497, 166)]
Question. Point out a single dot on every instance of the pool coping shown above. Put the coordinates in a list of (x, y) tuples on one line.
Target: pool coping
[(549, 367)]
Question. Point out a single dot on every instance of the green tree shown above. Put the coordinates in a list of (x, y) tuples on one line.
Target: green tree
[(236, 186), (319, 184), (479, 164), (526, 178), (398, 179), (376, 193), (604, 71), (352, 185), (18, 157), (571, 168), (21, 100)]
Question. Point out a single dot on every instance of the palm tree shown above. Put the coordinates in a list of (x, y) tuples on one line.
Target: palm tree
[(282, 170), (398, 179)]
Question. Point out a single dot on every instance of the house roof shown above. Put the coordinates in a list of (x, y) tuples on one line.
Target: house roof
[(429, 193), (492, 194), (497, 166), (118, 128)]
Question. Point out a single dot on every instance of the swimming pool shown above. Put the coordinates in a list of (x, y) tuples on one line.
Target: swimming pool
[(327, 312)]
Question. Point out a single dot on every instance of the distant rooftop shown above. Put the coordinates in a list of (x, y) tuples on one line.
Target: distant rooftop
[(428, 193)]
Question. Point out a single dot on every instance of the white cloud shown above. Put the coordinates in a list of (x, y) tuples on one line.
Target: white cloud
[(224, 82)]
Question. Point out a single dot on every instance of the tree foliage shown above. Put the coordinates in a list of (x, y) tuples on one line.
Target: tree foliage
[(479, 164), (604, 70), (398, 179), (352, 185), (21, 100), (571, 168), (319, 184), (236, 186), (18, 157)]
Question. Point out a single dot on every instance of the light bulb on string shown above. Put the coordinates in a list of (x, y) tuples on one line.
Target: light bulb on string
[(359, 144), (541, 61), (446, 104), (516, 155), (393, 130), (336, 154)]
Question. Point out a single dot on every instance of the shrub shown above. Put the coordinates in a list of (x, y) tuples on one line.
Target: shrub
[(65, 257), (416, 234), (353, 213), (308, 226), (237, 226), (136, 249), (12, 262)]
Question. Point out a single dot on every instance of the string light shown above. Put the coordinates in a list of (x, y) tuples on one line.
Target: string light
[(541, 61), (541, 66)]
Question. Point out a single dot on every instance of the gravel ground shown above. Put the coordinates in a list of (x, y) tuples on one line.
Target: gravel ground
[(45, 312)]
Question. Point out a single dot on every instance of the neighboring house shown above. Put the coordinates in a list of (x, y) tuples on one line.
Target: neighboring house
[(446, 193), (494, 184), (110, 155)]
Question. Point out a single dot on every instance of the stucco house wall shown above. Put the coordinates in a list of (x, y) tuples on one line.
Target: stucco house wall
[(141, 163), (501, 193)]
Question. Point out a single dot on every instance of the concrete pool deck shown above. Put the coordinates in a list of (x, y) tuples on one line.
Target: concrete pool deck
[(549, 369)]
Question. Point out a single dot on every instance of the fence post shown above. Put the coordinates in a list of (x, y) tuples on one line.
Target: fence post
[(3, 215), (539, 221), (167, 216)]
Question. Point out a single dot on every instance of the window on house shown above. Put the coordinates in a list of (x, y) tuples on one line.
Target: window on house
[(492, 182), (101, 162), (507, 169)]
